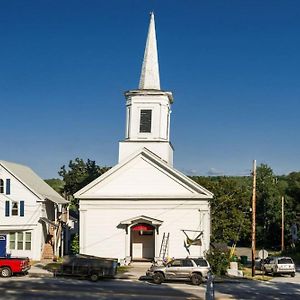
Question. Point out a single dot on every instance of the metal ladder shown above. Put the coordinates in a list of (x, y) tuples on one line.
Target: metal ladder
[(164, 245)]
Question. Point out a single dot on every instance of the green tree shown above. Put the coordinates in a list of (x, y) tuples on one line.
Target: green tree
[(77, 175), (230, 208), (56, 183), (293, 191), (268, 207), (292, 203)]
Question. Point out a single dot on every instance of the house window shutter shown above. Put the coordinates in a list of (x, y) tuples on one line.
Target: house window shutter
[(6, 208), (1, 186), (21, 208), (7, 186)]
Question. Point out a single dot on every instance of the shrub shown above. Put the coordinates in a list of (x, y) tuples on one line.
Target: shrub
[(218, 259), (75, 244)]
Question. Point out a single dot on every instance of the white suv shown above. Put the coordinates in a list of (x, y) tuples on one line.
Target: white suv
[(193, 269), (279, 265)]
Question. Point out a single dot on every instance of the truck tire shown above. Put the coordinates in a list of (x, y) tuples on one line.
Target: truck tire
[(293, 274), (5, 272), (94, 277), (158, 278), (196, 279)]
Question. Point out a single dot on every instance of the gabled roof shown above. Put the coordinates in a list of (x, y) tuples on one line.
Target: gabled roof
[(33, 182), (165, 182)]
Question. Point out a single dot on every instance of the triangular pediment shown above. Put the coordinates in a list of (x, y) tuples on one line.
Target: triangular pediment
[(141, 219), (143, 175)]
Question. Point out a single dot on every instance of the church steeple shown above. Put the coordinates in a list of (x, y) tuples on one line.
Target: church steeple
[(148, 109), (150, 70)]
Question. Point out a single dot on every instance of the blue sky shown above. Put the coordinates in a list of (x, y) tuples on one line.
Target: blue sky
[(233, 67)]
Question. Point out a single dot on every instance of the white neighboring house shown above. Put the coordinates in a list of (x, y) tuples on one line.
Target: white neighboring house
[(31, 214), (125, 212)]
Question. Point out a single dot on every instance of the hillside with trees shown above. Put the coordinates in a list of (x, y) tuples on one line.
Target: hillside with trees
[(231, 207)]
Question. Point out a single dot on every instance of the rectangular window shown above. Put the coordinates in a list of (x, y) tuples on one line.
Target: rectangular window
[(145, 120), (12, 240), (20, 240), (14, 208), (27, 240)]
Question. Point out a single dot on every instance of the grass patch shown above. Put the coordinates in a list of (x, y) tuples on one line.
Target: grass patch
[(258, 275), (123, 269), (52, 267)]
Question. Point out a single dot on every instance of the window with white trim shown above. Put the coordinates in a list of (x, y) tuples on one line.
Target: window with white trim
[(14, 208), (27, 240), (20, 241), (12, 240)]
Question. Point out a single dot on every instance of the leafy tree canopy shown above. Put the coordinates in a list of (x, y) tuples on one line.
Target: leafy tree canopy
[(230, 207), (77, 175), (56, 183)]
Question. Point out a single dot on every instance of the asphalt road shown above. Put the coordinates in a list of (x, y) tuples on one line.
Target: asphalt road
[(23, 288), (249, 289), (26, 288)]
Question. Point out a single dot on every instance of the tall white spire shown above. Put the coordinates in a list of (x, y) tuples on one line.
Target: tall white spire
[(150, 69)]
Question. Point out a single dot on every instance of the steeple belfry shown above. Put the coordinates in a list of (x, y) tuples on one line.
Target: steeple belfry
[(150, 69), (148, 109)]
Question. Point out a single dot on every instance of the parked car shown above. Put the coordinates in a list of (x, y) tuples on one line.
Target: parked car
[(13, 265), (89, 266), (279, 265), (192, 269), (259, 263)]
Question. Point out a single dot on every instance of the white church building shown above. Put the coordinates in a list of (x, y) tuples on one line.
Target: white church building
[(143, 208)]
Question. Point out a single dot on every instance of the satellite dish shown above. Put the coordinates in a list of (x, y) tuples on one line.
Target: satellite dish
[(262, 254)]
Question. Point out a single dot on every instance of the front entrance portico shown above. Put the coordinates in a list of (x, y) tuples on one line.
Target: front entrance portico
[(141, 240)]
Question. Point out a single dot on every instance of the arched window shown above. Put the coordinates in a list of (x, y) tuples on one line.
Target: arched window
[(1, 186)]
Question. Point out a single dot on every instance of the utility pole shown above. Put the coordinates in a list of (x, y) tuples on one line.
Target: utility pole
[(253, 217), (282, 223)]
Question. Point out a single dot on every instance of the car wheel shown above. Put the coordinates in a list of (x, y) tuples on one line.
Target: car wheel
[(293, 274), (94, 277), (196, 279), (5, 272), (158, 278)]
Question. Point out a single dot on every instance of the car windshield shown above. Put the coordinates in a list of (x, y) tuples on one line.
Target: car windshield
[(200, 262), (285, 261)]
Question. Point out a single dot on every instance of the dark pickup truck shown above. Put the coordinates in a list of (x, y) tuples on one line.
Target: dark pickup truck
[(13, 265), (88, 266)]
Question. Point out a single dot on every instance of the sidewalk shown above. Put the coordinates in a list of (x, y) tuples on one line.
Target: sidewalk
[(136, 270), (37, 270)]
